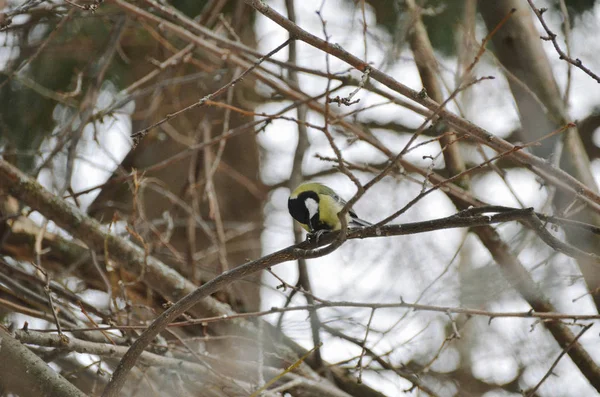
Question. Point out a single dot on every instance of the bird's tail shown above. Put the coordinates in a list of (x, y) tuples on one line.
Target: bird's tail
[(357, 222)]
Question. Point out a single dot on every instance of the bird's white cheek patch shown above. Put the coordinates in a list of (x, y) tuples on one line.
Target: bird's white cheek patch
[(312, 206)]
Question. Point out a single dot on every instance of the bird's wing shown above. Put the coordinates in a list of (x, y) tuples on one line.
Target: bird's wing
[(330, 192), (354, 219)]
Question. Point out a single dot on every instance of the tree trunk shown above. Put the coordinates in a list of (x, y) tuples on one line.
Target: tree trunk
[(518, 46), (192, 246)]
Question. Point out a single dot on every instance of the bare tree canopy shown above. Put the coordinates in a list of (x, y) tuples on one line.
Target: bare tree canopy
[(148, 150)]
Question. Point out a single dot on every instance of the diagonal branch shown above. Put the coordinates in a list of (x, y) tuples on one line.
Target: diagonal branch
[(132, 257), (536, 164), (26, 374), (552, 37)]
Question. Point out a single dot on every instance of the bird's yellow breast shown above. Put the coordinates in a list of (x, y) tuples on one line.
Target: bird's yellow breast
[(328, 211)]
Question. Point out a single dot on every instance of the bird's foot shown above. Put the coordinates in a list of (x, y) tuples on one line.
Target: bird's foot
[(315, 236)]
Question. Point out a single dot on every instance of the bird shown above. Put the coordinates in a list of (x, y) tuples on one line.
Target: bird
[(315, 207)]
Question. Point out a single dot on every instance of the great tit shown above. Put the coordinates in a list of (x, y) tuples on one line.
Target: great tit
[(316, 208)]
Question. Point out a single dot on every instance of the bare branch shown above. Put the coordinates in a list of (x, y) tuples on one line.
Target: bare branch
[(552, 38), (23, 372)]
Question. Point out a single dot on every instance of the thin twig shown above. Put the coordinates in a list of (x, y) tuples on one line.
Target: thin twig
[(552, 38), (555, 363), (364, 344), (536, 164), (141, 134)]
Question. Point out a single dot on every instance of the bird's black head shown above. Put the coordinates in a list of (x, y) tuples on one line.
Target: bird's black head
[(299, 208)]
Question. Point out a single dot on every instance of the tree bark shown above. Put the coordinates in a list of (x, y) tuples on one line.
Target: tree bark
[(24, 373), (186, 179)]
